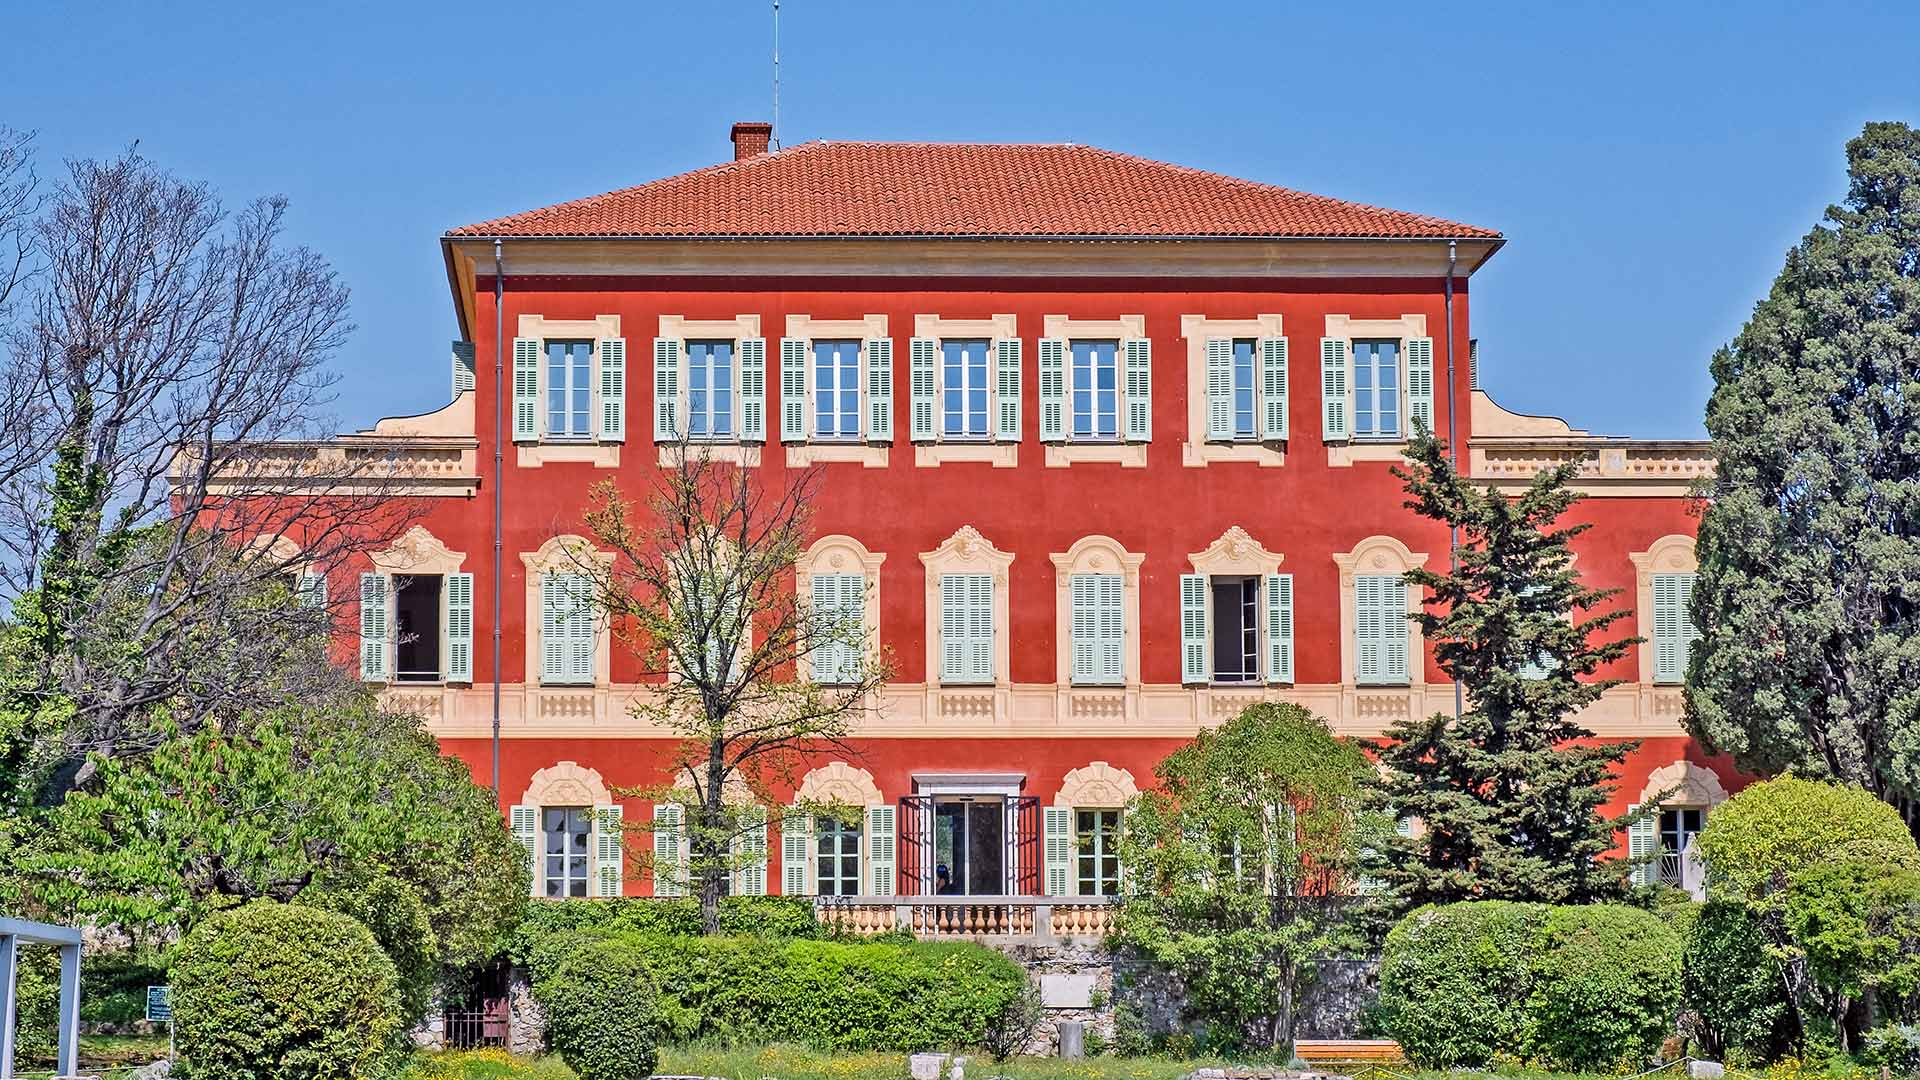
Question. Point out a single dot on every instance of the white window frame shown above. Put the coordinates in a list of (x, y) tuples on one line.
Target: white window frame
[(1199, 449), (867, 448), (1670, 554), (1125, 450), (418, 553), (1407, 329), (563, 554), (597, 448), (1235, 553), (999, 452), (966, 552), (734, 406), (838, 553), (1378, 555), (735, 448)]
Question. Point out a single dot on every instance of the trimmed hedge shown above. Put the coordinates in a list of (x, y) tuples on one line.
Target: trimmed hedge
[(599, 1003), (1579, 987), (1733, 1000), (832, 995), (286, 992), (1453, 981), (740, 916)]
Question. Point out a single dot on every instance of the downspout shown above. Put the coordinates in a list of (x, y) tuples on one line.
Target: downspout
[(499, 414), (1453, 448)]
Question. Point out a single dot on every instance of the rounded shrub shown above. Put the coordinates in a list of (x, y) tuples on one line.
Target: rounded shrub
[(1755, 841), (1454, 981), (1732, 1001), (599, 1003), (287, 992), (1605, 985)]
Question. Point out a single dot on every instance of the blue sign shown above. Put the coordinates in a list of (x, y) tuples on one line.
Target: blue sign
[(160, 1004)]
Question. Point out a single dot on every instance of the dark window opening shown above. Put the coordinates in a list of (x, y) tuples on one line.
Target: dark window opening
[(1236, 629), (837, 857), (416, 615), (1677, 830), (969, 846), (1097, 851)]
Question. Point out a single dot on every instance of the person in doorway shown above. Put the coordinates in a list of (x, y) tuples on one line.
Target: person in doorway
[(943, 881)]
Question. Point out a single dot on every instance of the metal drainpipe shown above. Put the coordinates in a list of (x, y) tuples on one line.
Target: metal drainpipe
[(499, 414), (1453, 449)]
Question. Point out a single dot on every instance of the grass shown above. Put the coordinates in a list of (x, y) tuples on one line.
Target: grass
[(785, 1062)]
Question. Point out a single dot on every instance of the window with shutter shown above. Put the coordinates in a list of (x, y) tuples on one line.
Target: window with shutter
[(669, 850), (609, 850), (710, 389), (1096, 846), (836, 390), (373, 627), (1053, 390), (1420, 381), (1095, 395), (1220, 389), (1057, 843), (839, 602), (666, 389), (796, 843), (1139, 389), (613, 390), (1375, 369), (311, 592), (1273, 388), (526, 831), (463, 368), (1279, 628), (526, 389), (880, 389), (753, 389), (460, 627), (1643, 838), (1193, 628), (1335, 406), (567, 633), (1380, 629), (748, 855), (793, 390), (836, 854), (921, 365), (966, 628), (1006, 364), (880, 850), (1097, 629), (1673, 629)]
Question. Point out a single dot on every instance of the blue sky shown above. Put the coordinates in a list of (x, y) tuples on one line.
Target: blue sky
[(1650, 166)]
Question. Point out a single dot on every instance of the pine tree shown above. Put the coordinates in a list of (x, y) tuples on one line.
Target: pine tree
[(1507, 796), (1808, 597)]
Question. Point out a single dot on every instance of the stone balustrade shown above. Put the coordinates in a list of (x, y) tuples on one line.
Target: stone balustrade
[(1606, 466), (1030, 918)]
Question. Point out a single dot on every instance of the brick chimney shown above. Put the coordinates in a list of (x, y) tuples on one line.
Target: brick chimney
[(751, 139)]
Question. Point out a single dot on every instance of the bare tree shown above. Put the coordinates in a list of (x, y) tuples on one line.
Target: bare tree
[(754, 678), (162, 477)]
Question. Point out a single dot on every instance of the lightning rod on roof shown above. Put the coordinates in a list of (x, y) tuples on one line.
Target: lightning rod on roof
[(774, 138)]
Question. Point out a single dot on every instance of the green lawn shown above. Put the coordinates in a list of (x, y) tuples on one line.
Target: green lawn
[(796, 1063)]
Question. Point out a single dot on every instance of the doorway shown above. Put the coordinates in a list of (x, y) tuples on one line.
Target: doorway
[(970, 845)]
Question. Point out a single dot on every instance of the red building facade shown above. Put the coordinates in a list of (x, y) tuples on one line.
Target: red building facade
[(1106, 447)]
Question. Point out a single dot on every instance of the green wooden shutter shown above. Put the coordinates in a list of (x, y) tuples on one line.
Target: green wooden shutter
[(460, 628), (1273, 388), (553, 646), (1057, 843), (793, 390), (1336, 420), (464, 377), (748, 854), (1053, 390), (666, 389), (613, 390), (1109, 628), (839, 601), (1673, 629), (1220, 389), (609, 851), (1193, 628), (567, 633), (1006, 364), (753, 389), (669, 864), (1138, 385), (1380, 627), (1279, 598), (1643, 841), (312, 591), (1368, 665), (880, 847), (920, 387), (880, 389), (1081, 608), (1420, 381), (1097, 631), (373, 627), (526, 390), (796, 853), (966, 628), (526, 832)]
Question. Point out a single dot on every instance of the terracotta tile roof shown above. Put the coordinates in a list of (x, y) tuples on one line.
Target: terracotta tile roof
[(948, 189)]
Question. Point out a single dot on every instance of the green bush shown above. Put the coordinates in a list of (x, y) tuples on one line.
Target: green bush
[(287, 992), (1605, 985), (393, 912), (37, 982), (599, 1003), (740, 916), (1755, 841), (113, 986), (1733, 1003), (1454, 981), (832, 995)]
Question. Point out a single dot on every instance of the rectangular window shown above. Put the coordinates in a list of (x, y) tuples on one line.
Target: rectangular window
[(1673, 630), (1376, 389), (1098, 629), (1097, 849), (567, 634), (1380, 629), (1096, 390), (710, 389), (416, 618), (966, 628), (836, 389), (836, 847), (840, 607), (569, 389), (1236, 629), (568, 832), (964, 389), (1246, 360), (1677, 830)]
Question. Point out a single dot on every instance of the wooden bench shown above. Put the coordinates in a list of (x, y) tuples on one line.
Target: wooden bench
[(1367, 1051)]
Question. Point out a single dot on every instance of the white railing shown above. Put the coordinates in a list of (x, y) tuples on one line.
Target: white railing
[(1036, 918)]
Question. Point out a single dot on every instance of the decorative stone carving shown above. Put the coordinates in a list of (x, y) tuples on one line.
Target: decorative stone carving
[(567, 783), (1235, 552), (418, 551), (1692, 784), (1096, 784), (839, 782)]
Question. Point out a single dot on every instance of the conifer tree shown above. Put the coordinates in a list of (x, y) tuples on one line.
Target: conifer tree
[(1506, 797), (1808, 597)]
